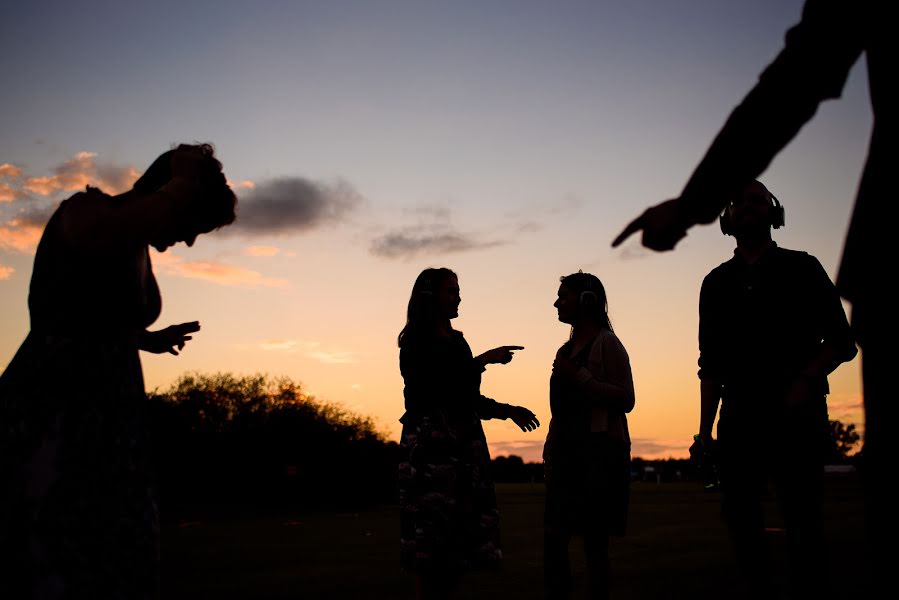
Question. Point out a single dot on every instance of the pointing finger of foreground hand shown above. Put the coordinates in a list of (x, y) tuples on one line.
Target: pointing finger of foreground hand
[(633, 227)]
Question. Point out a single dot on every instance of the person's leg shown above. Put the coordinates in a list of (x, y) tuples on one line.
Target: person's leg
[(596, 547), (556, 565), (743, 485), (878, 459), (799, 483)]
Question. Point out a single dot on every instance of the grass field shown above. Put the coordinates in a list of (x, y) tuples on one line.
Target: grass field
[(676, 547)]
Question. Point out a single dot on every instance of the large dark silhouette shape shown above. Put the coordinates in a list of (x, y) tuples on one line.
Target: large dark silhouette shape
[(771, 329), (587, 450), (449, 518), (77, 510), (813, 67)]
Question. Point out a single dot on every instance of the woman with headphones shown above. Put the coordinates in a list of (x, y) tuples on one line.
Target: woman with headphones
[(448, 515), (587, 450)]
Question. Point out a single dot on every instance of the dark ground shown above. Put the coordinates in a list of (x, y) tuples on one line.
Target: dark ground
[(676, 547)]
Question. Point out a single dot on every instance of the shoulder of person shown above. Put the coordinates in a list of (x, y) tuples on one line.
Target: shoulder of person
[(608, 341), (90, 194), (721, 270), (798, 258)]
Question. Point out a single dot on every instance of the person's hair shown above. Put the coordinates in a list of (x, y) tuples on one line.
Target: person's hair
[(591, 296), (422, 317), (214, 205)]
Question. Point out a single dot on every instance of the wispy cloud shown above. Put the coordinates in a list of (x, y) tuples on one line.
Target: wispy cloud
[(529, 451), (261, 251), (6, 272), (10, 184), (11, 171), (309, 349), (213, 271), (20, 235), (291, 204), (71, 175), (659, 448), (411, 242), (79, 171)]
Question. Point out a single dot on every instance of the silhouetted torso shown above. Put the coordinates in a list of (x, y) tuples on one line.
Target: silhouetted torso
[(761, 324), (76, 291), (440, 374)]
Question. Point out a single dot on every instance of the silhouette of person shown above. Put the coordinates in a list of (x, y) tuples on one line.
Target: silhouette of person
[(771, 329), (587, 451), (77, 510), (449, 517), (812, 67)]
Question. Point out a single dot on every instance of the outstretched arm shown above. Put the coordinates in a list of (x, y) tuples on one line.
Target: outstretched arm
[(812, 67)]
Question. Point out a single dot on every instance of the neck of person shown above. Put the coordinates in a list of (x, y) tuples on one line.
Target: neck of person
[(583, 330), (444, 328), (752, 245)]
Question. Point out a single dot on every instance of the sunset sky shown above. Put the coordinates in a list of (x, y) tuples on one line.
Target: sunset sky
[(508, 140)]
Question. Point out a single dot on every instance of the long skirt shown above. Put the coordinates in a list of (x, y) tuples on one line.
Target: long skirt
[(449, 518), (78, 516)]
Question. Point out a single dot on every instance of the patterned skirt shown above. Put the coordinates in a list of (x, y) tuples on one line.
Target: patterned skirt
[(77, 513), (449, 521)]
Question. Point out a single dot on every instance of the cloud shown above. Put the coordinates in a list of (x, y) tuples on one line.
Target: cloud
[(10, 171), (72, 175), (652, 449), (410, 242), (261, 251), (23, 232), (10, 191), (213, 272), (528, 451), (82, 170), (20, 236), (290, 204), (309, 349), (6, 272)]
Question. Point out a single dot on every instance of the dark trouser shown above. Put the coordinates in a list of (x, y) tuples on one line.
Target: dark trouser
[(788, 454), (557, 568), (877, 340)]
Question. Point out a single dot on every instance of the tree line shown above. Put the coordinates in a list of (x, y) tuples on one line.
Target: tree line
[(223, 441)]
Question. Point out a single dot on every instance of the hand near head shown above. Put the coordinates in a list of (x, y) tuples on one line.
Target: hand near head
[(188, 161), (524, 418), (663, 226), (501, 355), (166, 340)]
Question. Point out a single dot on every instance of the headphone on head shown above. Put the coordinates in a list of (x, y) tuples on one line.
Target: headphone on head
[(588, 298), (426, 287), (775, 214)]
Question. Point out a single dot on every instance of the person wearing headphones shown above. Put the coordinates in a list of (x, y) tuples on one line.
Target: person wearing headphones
[(587, 451), (449, 521), (771, 329)]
